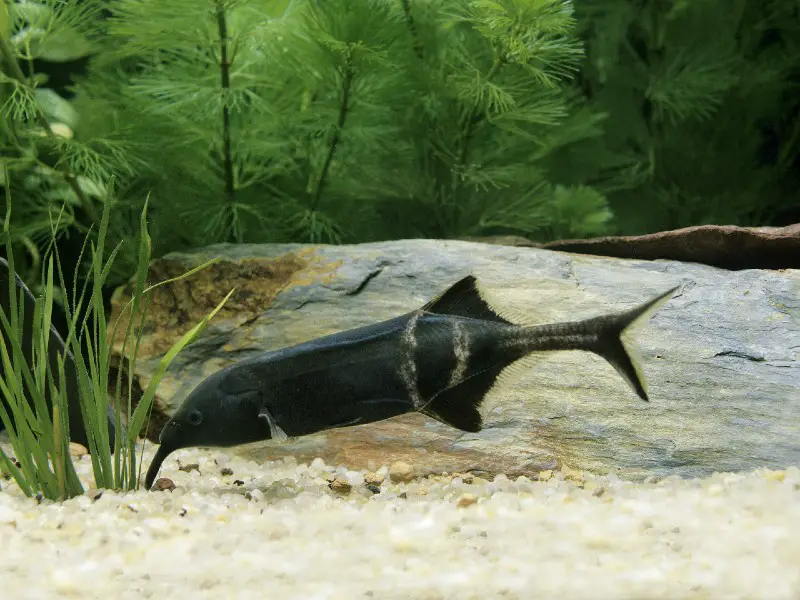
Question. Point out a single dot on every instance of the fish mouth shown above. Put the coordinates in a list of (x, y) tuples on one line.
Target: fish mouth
[(169, 443), (161, 454)]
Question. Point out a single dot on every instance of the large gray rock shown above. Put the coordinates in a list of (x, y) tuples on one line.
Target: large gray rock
[(720, 358)]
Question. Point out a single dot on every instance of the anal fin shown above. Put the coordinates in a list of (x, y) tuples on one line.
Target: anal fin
[(459, 405)]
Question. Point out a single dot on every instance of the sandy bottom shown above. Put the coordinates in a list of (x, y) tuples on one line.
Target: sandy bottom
[(279, 531)]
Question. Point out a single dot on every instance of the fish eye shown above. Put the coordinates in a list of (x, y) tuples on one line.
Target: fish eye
[(195, 417)]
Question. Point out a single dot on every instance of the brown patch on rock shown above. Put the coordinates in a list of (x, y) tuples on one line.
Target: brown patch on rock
[(176, 307), (723, 246), (399, 439)]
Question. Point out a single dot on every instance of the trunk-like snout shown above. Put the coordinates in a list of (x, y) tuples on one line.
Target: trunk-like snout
[(161, 454), (169, 443)]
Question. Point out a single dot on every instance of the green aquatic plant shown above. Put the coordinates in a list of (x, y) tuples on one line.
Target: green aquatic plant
[(39, 440), (701, 102), (39, 433), (296, 121), (51, 170)]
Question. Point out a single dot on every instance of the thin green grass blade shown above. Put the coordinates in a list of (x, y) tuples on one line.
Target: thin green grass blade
[(37, 385), (51, 430), (23, 474), (143, 265), (100, 358), (101, 463), (20, 475), (69, 481), (14, 389), (30, 452), (58, 455)]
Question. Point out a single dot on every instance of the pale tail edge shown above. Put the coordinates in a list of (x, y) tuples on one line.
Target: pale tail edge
[(611, 347)]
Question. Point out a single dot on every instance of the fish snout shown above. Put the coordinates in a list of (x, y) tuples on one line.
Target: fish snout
[(168, 443)]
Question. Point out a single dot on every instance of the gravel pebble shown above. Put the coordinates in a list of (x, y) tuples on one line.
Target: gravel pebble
[(371, 478), (466, 500), (77, 450), (340, 485), (467, 478), (401, 472), (163, 484), (94, 493), (726, 536)]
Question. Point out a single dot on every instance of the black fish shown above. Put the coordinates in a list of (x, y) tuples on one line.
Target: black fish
[(55, 348), (440, 360)]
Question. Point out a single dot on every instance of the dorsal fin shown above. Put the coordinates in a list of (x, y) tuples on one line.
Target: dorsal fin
[(463, 299)]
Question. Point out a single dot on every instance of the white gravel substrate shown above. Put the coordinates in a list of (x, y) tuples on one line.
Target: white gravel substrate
[(278, 531)]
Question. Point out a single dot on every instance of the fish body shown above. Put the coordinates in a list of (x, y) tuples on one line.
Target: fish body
[(440, 360), (56, 348)]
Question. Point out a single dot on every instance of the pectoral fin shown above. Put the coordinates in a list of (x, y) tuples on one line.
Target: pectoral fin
[(275, 432)]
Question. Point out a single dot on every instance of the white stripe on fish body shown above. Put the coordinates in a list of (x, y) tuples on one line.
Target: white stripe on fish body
[(408, 366), (461, 349)]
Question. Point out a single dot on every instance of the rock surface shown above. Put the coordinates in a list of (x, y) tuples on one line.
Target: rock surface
[(721, 358)]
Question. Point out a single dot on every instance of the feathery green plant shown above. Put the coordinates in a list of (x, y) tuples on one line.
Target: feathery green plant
[(39, 438), (695, 94), (491, 102), (48, 166), (263, 121)]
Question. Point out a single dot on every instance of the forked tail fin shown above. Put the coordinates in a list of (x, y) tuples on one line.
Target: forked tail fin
[(609, 340), (459, 405)]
